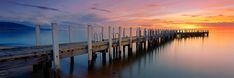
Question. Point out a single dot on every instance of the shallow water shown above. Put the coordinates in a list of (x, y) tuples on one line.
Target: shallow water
[(197, 57)]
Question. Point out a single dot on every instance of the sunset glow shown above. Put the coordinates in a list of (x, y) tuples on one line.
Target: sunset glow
[(188, 26), (184, 14)]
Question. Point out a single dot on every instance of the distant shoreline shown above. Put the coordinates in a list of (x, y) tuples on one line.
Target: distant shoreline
[(5, 47)]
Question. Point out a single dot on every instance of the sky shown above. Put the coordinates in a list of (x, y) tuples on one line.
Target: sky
[(155, 13)]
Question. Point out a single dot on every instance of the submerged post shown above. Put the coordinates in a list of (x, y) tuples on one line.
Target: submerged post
[(90, 50), (38, 37), (56, 59), (110, 45)]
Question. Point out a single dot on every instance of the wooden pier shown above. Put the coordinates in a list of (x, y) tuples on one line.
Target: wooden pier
[(115, 47)]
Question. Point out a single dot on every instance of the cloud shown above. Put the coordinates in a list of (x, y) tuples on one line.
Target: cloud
[(99, 9), (218, 16), (223, 24), (85, 18), (95, 4), (191, 15), (37, 6), (91, 18), (153, 5)]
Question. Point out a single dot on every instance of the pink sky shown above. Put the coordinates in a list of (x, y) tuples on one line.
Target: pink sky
[(120, 12)]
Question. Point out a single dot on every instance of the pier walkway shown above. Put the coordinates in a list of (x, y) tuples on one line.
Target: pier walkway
[(114, 47)]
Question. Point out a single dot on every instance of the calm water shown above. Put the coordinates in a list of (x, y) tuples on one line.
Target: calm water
[(208, 57)]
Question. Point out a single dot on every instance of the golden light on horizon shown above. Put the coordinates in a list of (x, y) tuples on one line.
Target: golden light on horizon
[(187, 26)]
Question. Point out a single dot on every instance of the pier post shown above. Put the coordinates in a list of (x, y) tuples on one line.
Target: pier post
[(131, 38), (130, 43), (90, 49), (102, 34), (120, 41), (156, 35), (70, 41), (95, 37), (114, 40), (145, 38), (55, 31), (152, 37), (137, 35), (124, 33), (38, 33), (110, 45), (149, 37), (160, 35), (113, 33), (138, 38)]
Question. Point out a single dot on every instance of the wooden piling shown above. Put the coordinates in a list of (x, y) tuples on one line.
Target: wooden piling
[(102, 34), (70, 41), (130, 42), (110, 45), (138, 33), (124, 33), (55, 32), (145, 34), (113, 33), (90, 49), (95, 37), (149, 37), (130, 34), (145, 38), (120, 41)]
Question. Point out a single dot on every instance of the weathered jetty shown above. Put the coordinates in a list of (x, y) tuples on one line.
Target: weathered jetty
[(113, 46)]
